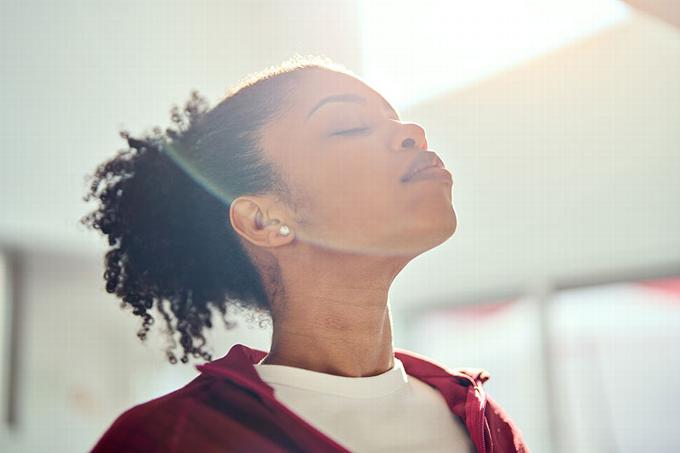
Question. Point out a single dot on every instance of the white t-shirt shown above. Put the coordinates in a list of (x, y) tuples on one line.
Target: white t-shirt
[(390, 412)]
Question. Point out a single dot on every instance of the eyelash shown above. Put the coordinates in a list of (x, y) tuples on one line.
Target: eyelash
[(351, 131)]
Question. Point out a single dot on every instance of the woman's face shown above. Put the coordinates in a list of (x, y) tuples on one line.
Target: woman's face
[(344, 159)]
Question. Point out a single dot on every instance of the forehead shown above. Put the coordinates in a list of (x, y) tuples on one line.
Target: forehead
[(317, 86), (293, 127)]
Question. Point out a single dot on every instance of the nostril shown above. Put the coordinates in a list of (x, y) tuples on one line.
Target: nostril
[(408, 143)]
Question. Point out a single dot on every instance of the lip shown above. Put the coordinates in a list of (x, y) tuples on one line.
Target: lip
[(432, 173), (423, 161)]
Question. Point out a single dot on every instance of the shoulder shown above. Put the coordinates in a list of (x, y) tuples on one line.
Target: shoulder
[(206, 415), (148, 426), (193, 415)]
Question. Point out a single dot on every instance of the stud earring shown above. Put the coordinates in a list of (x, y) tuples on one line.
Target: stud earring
[(284, 230)]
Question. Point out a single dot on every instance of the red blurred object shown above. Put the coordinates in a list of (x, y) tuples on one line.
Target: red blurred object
[(480, 311), (667, 286)]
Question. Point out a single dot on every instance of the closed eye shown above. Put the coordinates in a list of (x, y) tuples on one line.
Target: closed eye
[(356, 130)]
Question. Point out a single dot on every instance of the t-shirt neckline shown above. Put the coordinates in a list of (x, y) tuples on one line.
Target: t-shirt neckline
[(348, 387)]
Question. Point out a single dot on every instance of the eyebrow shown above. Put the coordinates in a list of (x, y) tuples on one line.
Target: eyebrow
[(348, 98)]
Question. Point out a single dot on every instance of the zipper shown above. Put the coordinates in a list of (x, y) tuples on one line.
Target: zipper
[(483, 431), (475, 406), (482, 419), (483, 440)]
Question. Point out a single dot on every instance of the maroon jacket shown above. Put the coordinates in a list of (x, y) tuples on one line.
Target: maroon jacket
[(229, 408)]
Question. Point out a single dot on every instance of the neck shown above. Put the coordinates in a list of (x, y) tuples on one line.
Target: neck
[(333, 314)]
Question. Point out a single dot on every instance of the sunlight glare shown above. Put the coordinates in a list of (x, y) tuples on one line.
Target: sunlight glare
[(416, 49)]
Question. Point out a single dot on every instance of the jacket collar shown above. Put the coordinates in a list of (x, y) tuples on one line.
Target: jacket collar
[(461, 389), (239, 367)]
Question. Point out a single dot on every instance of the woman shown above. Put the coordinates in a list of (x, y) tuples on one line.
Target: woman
[(301, 195)]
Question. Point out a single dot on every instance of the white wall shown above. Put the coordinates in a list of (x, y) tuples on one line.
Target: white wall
[(81, 364), (73, 73)]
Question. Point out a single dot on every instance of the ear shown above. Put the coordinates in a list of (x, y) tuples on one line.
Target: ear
[(253, 219)]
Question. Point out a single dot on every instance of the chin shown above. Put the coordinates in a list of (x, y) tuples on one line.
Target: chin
[(453, 224), (442, 229), (442, 234), (428, 235), (447, 229)]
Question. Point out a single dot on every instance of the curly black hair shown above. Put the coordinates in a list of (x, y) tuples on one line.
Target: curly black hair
[(164, 204)]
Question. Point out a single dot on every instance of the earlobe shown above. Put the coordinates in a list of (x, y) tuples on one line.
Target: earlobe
[(277, 235)]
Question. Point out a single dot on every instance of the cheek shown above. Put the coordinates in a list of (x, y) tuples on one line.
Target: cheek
[(350, 188), (359, 197)]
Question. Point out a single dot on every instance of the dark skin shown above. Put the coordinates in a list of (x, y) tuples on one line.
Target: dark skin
[(355, 228)]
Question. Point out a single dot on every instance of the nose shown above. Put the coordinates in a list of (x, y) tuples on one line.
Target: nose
[(409, 136)]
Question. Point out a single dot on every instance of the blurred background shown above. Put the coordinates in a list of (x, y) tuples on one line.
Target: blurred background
[(559, 119)]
